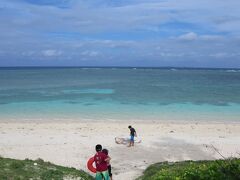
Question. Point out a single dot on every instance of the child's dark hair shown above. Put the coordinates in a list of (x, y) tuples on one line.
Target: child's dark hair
[(98, 147), (105, 151)]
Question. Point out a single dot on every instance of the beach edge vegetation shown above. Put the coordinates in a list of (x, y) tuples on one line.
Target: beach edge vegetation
[(38, 169), (208, 169), (221, 169)]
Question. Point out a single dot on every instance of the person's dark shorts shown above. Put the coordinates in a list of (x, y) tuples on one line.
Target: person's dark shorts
[(132, 138), (110, 170)]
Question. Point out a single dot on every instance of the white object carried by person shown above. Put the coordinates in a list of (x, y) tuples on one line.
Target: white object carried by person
[(121, 140)]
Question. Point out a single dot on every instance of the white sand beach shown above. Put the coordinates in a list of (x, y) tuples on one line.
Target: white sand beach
[(72, 143)]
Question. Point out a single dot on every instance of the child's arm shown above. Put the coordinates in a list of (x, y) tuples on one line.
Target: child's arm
[(108, 159)]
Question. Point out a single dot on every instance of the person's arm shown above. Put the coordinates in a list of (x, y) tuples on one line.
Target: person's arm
[(107, 158), (135, 134)]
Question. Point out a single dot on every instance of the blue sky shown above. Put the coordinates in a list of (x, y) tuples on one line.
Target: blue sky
[(189, 33)]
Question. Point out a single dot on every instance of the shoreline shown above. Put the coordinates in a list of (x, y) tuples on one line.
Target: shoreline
[(72, 143), (144, 121)]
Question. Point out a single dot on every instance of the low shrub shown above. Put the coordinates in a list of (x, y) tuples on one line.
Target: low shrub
[(28, 169), (17, 165), (194, 170), (52, 174)]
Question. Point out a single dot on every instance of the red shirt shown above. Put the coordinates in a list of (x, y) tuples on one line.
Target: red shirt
[(100, 161)]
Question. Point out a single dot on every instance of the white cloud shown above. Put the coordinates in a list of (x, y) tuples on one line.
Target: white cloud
[(211, 37), (51, 53), (28, 53), (148, 15), (193, 36), (224, 55), (90, 53), (120, 30), (189, 36)]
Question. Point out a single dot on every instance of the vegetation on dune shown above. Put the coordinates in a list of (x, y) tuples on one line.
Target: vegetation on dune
[(228, 169), (11, 169)]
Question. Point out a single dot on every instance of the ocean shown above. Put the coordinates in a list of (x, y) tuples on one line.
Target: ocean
[(179, 94)]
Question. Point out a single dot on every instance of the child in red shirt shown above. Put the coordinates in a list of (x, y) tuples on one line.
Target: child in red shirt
[(101, 161), (105, 151)]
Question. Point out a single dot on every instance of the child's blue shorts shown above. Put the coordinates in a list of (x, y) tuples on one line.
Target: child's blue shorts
[(131, 138)]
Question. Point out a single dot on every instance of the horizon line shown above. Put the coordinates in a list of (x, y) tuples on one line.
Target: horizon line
[(121, 67)]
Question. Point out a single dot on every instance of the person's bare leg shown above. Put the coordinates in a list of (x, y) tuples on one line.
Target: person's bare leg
[(130, 144)]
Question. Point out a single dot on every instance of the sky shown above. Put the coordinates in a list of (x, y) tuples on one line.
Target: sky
[(179, 33)]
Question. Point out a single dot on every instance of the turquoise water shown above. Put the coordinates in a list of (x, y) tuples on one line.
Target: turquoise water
[(120, 93)]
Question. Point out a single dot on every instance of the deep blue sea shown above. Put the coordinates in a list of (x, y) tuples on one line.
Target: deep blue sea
[(120, 94)]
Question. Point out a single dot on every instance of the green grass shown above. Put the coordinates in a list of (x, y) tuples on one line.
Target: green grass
[(11, 169), (194, 170)]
